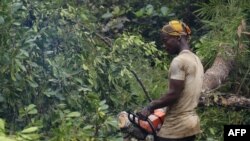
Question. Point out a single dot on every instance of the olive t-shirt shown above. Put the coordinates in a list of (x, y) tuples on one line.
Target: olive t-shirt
[(181, 118)]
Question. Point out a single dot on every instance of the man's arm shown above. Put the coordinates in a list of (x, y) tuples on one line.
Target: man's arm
[(175, 89)]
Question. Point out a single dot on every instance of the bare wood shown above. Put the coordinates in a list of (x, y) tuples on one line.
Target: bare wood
[(247, 33), (219, 71)]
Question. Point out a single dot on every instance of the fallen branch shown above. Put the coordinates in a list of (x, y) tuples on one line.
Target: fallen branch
[(227, 100), (247, 33)]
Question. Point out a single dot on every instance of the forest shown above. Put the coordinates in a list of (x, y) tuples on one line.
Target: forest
[(68, 67)]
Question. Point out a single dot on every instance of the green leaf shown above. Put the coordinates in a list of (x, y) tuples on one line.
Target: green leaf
[(91, 81), (116, 10), (84, 17), (164, 11), (101, 114), (104, 107), (33, 64), (33, 84), (50, 63), (149, 9), (25, 137), (1, 98), (29, 137), (171, 14), (210, 139), (12, 73), (2, 127), (30, 107), (78, 80), (140, 13), (20, 65), (88, 127), (92, 96), (74, 114), (61, 105), (17, 23), (112, 122), (30, 130), (50, 93), (102, 102), (16, 6), (33, 112), (2, 138), (85, 67), (1, 20), (84, 89), (212, 131), (24, 52), (107, 15)]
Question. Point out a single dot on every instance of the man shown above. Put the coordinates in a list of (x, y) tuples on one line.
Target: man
[(185, 82)]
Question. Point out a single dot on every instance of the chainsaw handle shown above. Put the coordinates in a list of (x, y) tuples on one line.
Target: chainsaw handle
[(132, 120), (142, 117)]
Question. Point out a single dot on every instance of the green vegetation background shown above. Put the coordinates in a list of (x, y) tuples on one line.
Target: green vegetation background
[(68, 67)]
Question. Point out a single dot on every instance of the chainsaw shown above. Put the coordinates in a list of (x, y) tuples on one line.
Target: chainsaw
[(139, 126)]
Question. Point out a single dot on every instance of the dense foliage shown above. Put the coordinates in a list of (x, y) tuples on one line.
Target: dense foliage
[(68, 67)]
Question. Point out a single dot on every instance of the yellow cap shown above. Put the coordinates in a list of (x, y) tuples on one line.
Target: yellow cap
[(176, 28)]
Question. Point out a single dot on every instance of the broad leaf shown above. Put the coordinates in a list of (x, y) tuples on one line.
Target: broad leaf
[(149, 9), (74, 114), (107, 15), (164, 11), (30, 130)]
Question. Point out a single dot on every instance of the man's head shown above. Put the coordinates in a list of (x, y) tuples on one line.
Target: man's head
[(175, 35)]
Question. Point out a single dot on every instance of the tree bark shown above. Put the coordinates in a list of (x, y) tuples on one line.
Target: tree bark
[(219, 71)]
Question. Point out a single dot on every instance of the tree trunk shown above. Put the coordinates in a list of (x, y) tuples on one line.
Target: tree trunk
[(223, 63), (219, 71)]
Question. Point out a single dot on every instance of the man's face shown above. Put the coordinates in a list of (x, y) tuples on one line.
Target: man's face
[(171, 44)]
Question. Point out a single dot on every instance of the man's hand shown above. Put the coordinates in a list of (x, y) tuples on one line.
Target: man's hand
[(145, 112)]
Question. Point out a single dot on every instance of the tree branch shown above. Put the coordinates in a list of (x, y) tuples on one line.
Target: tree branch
[(104, 39), (141, 84), (247, 33), (226, 100)]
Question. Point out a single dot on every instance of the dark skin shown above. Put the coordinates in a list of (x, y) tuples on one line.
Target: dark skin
[(173, 45)]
